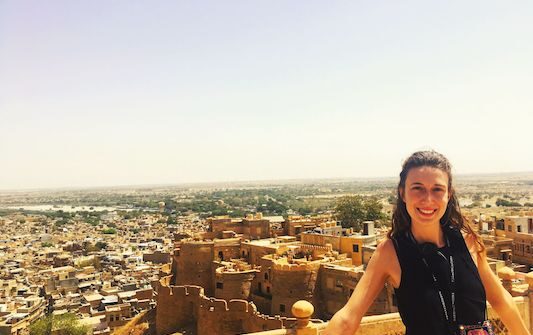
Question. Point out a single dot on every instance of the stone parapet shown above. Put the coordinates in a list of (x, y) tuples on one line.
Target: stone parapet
[(184, 306), (391, 324)]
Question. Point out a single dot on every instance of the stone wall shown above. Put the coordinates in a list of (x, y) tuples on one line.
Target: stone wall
[(233, 285), (256, 228), (391, 324), (185, 306), (194, 265), (336, 286), (226, 249), (293, 282), (177, 307), (157, 257)]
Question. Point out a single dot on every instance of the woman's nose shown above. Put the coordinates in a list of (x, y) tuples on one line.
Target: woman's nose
[(427, 196)]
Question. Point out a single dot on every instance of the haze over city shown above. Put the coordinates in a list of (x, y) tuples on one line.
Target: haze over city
[(118, 93)]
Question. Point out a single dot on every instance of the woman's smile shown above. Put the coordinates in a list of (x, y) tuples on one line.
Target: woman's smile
[(426, 212)]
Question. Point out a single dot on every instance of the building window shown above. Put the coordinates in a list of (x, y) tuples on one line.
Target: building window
[(220, 285), (266, 275), (282, 308), (509, 228), (355, 248), (260, 287), (268, 289), (519, 229)]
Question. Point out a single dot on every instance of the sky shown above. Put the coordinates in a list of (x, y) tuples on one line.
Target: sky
[(106, 93)]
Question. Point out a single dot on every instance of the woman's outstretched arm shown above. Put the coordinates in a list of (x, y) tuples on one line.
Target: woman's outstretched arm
[(497, 295), (347, 319)]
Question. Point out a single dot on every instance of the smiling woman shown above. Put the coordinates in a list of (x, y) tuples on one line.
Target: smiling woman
[(434, 260)]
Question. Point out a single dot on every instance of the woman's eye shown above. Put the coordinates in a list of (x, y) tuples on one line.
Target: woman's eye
[(438, 190)]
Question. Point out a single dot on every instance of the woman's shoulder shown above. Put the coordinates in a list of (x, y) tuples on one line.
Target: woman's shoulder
[(386, 249), (474, 246), (386, 245)]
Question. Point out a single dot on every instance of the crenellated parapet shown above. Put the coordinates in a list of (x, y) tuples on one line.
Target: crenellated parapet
[(184, 306), (293, 280)]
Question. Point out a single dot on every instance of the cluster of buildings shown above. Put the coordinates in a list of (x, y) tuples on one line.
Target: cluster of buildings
[(510, 239), (104, 279), (253, 268), (219, 276)]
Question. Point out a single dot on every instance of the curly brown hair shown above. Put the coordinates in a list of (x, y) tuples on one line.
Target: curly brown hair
[(401, 220)]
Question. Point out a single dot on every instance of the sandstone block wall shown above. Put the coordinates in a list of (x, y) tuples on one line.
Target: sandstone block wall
[(293, 282), (194, 265), (226, 251), (177, 307), (234, 285), (157, 257), (181, 306)]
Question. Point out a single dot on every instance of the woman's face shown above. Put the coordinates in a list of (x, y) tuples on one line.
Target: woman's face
[(426, 194)]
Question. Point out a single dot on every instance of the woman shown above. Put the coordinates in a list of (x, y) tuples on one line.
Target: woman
[(433, 259)]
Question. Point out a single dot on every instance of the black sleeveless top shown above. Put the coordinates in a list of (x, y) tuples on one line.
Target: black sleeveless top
[(418, 300)]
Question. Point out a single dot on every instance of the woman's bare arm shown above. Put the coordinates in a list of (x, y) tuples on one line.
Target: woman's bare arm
[(497, 295), (382, 265)]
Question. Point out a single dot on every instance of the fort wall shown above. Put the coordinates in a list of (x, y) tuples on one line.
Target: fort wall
[(226, 249), (321, 240), (177, 307), (293, 282), (233, 285), (198, 256), (181, 306), (256, 228), (261, 291)]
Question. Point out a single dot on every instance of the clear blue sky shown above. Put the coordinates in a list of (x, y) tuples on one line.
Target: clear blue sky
[(96, 93)]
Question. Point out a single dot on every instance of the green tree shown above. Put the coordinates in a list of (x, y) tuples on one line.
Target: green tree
[(350, 211), (507, 203), (101, 245), (109, 231), (373, 208), (64, 324)]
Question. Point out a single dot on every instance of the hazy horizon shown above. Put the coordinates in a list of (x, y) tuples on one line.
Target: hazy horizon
[(258, 182), (111, 94)]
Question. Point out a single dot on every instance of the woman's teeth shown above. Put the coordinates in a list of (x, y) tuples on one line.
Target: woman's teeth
[(426, 211)]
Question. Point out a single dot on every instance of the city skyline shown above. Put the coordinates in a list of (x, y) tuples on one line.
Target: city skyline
[(102, 94)]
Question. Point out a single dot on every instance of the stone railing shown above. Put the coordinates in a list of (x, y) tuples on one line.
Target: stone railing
[(391, 324)]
